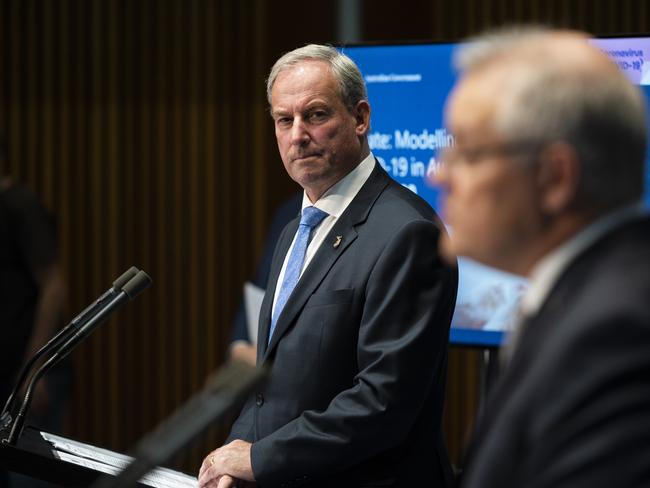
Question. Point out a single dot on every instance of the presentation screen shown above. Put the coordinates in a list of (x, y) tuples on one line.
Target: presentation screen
[(407, 87)]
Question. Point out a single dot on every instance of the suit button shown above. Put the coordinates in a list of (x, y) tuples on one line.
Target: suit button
[(259, 400)]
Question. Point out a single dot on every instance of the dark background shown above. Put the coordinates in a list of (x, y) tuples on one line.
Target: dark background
[(142, 126)]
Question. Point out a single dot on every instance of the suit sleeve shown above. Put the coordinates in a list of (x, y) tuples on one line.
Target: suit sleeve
[(401, 353), (243, 426)]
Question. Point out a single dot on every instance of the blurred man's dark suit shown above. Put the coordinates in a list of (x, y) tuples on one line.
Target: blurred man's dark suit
[(572, 408), (358, 358)]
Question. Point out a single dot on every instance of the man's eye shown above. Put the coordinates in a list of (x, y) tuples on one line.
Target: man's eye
[(283, 121), (318, 116)]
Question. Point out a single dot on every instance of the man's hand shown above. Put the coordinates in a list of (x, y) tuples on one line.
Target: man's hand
[(244, 351), (224, 467)]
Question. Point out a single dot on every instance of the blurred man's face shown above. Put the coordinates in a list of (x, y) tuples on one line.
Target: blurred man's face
[(491, 202), (318, 138)]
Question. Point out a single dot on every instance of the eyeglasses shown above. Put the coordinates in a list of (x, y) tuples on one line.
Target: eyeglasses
[(453, 156)]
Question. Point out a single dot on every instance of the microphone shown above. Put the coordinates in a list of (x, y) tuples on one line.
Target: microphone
[(97, 316), (129, 291), (62, 336)]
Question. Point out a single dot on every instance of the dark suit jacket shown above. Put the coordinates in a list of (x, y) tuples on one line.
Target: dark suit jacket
[(572, 408), (358, 358)]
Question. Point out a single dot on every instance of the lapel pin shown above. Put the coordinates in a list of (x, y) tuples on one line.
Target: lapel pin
[(337, 242)]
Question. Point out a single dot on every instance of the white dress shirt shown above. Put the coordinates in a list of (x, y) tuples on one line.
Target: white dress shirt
[(334, 201)]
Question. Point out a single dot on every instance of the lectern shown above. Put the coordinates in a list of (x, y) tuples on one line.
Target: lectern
[(70, 463)]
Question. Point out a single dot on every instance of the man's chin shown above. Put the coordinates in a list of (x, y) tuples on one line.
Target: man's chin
[(310, 174)]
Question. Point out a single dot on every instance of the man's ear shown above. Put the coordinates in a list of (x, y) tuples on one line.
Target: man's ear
[(362, 117), (558, 177)]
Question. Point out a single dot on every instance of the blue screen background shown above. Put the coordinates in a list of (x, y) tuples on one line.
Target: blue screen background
[(407, 88)]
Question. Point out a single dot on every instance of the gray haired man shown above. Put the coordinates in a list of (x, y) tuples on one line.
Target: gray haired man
[(355, 321), (545, 180)]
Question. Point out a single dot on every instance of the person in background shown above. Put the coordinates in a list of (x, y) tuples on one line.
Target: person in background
[(354, 325), (545, 180), (241, 345), (32, 301)]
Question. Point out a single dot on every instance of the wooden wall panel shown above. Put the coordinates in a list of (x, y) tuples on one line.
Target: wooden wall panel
[(446, 20), (138, 124), (142, 126)]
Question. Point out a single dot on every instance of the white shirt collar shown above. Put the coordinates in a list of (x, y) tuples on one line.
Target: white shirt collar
[(335, 200), (547, 271)]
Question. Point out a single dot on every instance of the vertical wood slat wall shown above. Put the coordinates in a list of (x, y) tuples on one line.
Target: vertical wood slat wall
[(134, 122), (453, 20), (141, 124)]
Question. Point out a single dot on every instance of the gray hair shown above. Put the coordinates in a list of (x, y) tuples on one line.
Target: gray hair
[(352, 87), (596, 110)]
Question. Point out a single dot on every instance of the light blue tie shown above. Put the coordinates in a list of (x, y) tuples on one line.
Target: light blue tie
[(311, 217)]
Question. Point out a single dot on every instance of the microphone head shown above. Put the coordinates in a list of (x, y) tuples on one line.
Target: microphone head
[(119, 283), (137, 284)]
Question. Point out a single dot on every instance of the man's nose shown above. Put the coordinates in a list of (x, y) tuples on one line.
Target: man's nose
[(299, 134)]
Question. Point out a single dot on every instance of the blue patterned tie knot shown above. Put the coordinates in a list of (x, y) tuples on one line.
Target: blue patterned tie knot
[(311, 217)]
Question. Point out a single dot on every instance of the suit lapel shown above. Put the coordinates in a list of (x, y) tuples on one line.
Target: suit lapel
[(325, 257)]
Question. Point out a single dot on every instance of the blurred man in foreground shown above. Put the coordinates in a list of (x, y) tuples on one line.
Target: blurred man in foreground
[(545, 180), (354, 326)]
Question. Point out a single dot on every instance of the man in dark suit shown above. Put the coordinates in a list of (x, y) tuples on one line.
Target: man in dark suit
[(355, 334), (545, 180)]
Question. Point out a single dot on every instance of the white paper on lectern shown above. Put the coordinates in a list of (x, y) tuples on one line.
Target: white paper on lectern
[(110, 462), (253, 296)]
